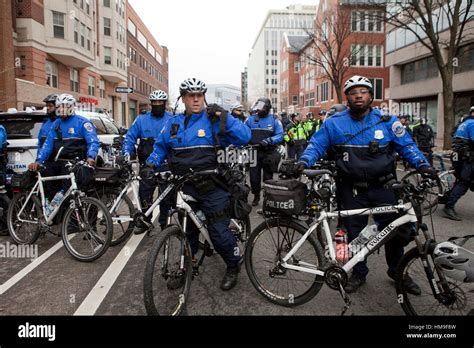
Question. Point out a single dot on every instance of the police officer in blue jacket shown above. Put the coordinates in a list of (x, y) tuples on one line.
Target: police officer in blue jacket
[(52, 167), (3, 153), (267, 132), (71, 136), (147, 128), (188, 141), (463, 163), (365, 143)]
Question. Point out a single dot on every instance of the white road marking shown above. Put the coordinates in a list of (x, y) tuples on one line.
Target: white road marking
[(25, 271), (95, 297)]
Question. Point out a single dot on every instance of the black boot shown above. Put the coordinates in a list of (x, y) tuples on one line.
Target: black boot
[(256, 199), (230, 278), (450, 213), (354, 283)]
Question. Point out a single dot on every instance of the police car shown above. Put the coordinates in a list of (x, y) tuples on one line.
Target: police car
[(22, 134)]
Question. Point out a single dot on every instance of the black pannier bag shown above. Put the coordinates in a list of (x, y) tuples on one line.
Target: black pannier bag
[(25, 180), (239, 207), (286, 197), (109, 176)]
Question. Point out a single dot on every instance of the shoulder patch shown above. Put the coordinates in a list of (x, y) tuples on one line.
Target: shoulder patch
[(398, 129), (88, 126)]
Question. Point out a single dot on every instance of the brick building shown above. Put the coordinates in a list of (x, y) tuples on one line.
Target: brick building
[(148, 64), (58, 46), (364, 45)]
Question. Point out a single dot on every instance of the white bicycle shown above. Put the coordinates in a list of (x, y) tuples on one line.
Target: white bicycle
[(287, 264), (86, 227)]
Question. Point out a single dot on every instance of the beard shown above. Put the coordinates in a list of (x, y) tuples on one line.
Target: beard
[(359, 110)]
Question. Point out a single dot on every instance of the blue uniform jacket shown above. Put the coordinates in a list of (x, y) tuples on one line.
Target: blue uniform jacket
[(353, 157), (3, 137), (43, 134), (267, 127), (465, 130), (192, 146), (77, 133), (145, 127)]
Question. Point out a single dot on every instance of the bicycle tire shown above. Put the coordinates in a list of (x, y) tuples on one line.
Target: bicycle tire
[(4, 204), (288, 299), (432, 197), (407, 301), (110, 195), (90, 235), (15, 205), (148, 291)]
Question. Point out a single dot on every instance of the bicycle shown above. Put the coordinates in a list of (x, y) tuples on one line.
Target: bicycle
[(4, 204), (86, 227), (170, 268), (293, 267)]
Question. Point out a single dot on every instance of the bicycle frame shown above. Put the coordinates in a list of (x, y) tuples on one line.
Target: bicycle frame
[(39, 187), (371, 246), (181, 204)]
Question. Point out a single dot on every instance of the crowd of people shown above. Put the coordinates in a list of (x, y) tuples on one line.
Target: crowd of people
[(364, 143)]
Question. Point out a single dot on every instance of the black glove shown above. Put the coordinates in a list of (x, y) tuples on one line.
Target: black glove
[(428, 172), (298, 168), (214, 111), (147, 172), (265, 142)]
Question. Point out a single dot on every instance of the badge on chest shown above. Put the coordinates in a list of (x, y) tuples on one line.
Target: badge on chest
[(379, 134)]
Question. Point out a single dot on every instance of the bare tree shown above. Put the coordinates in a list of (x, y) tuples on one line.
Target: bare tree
[(333, 53), (442, 27)]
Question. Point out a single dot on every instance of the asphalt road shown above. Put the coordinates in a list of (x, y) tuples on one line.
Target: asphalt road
[(113, 285)]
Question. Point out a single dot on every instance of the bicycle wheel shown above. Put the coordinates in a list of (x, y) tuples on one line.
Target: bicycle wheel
[(122, 216), (24, 232), (86, 229), (431, 195), (266, 247), (460, 295), (168, 274), (4, 204)]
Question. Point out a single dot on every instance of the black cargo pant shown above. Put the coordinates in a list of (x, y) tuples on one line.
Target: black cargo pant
[(256, 173)]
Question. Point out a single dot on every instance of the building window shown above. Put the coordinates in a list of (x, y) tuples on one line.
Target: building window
[(378, 88), (89, 34), (465, 59), (76, 30), (107, 3), (58, 25), (132, 28), (297, 67), (74, 79), (294, 100), (366, 55), (51, 74), (106, 26), (87, 6), (107, 55), (91, 86), (141, 38), (324, 92), (422, 69), (369, 21), (83, 35), (102, 88)]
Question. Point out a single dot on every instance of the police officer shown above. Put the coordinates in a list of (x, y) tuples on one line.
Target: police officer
[(267, 132), (147, 128), (295, 137), (52, 167), (71, 136), (188, 141), (424, 136), (309, 125), (238, 112), (463, 162), (365, 142)]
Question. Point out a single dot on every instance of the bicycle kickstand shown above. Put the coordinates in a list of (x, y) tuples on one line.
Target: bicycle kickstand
[(347, 300)]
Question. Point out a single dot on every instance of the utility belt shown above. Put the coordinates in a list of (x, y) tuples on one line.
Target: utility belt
[(365, 185)]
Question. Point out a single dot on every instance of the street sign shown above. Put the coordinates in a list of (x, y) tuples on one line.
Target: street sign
[(123, 90)]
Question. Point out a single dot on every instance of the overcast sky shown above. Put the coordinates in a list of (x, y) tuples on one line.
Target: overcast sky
[(208, 39)]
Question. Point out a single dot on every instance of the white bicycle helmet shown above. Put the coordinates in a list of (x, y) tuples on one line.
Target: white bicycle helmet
[(65, 99), (455, 261), (357, 81), (192, 85), (158, 95), (237, 106)]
